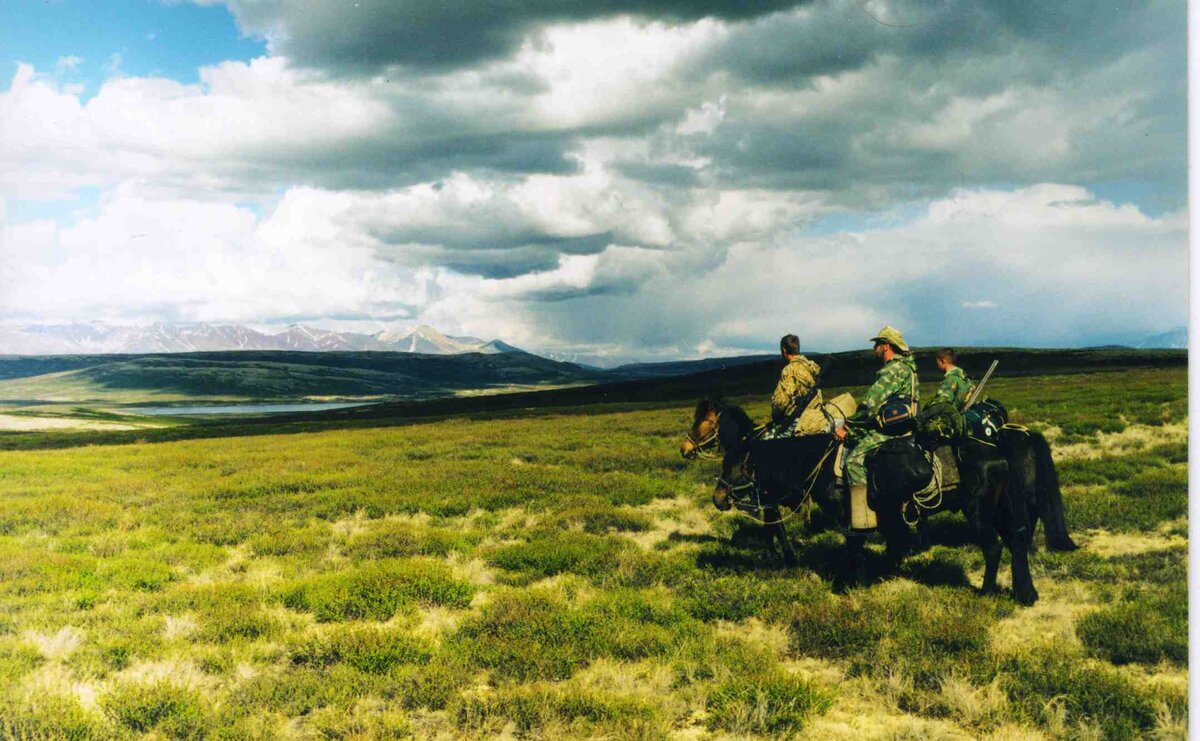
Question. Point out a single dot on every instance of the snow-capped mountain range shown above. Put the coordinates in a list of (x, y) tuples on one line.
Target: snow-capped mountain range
[(103, 338)]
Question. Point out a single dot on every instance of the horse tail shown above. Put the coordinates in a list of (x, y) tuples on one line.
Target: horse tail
[(1049, 497)]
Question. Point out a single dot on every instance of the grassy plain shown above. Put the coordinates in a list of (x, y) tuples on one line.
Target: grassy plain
[(561, 573)]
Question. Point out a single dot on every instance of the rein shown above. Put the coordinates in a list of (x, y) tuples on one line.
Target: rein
[(745, 508)]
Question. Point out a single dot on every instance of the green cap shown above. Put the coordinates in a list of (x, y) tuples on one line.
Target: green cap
[(892, 336)]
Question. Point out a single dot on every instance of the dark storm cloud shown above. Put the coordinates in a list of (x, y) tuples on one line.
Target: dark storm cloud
[(476, 253), (369, 36), (844, 35)]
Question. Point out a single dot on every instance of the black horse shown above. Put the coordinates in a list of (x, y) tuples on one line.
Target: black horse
[(786, 472), (995, 512), (718, 427), (761, 476)]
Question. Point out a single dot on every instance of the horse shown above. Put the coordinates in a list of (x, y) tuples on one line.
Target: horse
[(760, 476), (992, 499), (717, 426), (995, 511)]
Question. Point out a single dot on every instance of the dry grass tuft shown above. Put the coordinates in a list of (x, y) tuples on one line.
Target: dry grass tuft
[(471, 570), (179, 626), (643, 678), (773, 638), (1109, 544), (862, 711), (1050, 622), (1131, 439), (438, 621), (56, 646), (973, 705), (677, 516), (180, 673), (55, 680)]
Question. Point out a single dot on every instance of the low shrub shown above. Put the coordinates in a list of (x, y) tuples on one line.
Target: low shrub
[(529, 635), (775, 704), (133, 572), (1087, 692), (597, 516), (1146, 627), (49, 718), (568, 711), (925, 633), (298, 540), (434, 684), (378, 591), (175, 711), (739, 597), (368, 648), (230, 622), (298, 691), (550, 552), (395, 539)]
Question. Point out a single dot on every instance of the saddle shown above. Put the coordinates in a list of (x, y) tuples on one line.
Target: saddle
[(904, 464)]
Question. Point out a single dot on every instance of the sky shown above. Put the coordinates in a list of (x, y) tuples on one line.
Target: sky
[(639, 180)]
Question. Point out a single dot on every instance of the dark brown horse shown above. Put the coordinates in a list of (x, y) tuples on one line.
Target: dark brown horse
[(760, 476), (717, 427)]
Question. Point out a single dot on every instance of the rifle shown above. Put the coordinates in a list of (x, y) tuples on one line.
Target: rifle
[(975, 394)]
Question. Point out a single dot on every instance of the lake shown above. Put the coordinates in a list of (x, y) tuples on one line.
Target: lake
[(244, 408)]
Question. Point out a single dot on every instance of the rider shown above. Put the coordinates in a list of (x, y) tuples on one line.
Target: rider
[(796, 396), (895, 377), (956, 387)]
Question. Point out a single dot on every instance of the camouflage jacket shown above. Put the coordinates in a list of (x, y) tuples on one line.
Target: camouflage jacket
[(895, 377), (795, 382), (956, 387)]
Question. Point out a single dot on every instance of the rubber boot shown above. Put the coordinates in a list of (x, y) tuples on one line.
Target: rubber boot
[(862, 517)]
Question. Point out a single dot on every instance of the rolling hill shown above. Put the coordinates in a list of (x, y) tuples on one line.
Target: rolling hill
[(277, 375)]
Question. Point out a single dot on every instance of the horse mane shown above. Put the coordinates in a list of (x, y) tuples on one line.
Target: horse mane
[(707, 404)]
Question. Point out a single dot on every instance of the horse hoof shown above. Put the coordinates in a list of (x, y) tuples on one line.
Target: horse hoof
[(989, 589), (1065, 546), (1026, 598)]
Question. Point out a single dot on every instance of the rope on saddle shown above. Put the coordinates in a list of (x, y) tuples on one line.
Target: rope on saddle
[(929, 498)]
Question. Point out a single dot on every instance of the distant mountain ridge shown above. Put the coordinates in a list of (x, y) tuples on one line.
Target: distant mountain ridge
[(1176, 339), (100, 338)]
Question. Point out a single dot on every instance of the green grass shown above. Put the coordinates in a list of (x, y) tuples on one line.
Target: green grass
[(562, 574)]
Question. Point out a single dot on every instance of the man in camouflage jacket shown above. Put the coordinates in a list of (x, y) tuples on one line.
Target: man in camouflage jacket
[(956, 387), (796, 395), (895, 377)]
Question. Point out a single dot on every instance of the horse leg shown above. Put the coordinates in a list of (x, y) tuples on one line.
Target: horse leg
[(896, 535), (779, 532), (856, 557), (989, 542), (980, 517), (1022, 580)]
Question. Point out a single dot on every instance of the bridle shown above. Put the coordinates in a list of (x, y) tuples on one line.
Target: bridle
[(703, 446)]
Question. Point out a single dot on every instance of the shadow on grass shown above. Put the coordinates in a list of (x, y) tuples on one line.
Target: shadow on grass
[(749, 550)]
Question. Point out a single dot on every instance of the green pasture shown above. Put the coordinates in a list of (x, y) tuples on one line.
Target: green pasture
[(561, 573)]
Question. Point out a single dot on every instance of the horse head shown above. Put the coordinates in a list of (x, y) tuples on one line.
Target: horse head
[(716, 426), (735, 477), (706, 428)]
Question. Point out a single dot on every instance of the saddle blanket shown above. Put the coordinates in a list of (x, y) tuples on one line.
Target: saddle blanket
[(945, 471)]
